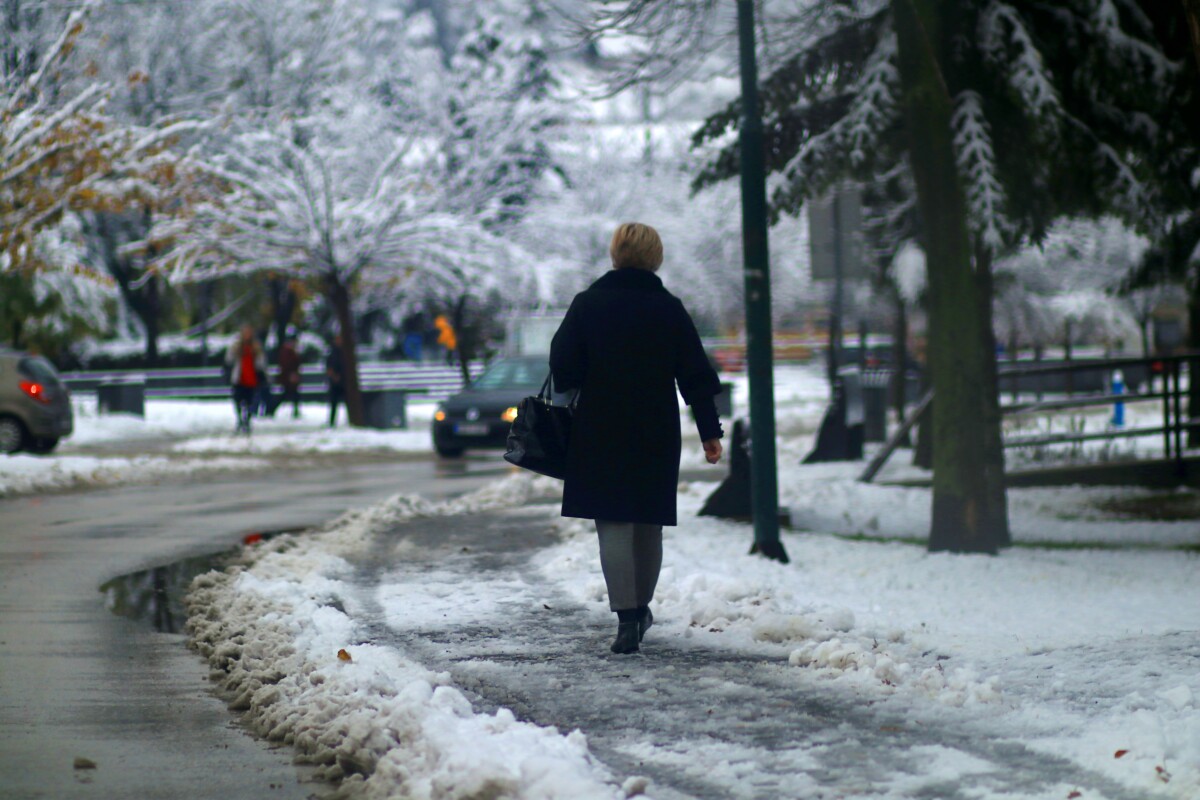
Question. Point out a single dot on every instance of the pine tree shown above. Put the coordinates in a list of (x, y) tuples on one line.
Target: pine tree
[(1039, 109)]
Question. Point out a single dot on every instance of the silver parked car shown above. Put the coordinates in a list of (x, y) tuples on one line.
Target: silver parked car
[(35, 407)]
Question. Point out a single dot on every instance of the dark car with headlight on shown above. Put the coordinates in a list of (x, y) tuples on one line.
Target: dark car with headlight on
[(480, 415)]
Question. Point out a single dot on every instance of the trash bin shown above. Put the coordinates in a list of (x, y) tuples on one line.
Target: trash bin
[(875, 396), (840, 437), (385, 408), (127, 396)]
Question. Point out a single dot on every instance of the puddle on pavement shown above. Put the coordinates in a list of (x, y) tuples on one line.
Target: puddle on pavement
[(155, 595)]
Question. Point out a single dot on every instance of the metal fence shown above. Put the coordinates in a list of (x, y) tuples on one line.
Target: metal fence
[(1163, 381), (420, 381)]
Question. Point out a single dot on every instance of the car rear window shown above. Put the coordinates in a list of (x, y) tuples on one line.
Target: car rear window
[(513, 374), (37, 368)]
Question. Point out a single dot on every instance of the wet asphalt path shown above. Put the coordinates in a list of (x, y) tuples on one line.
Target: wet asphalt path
[(699, 722), (78, 681)]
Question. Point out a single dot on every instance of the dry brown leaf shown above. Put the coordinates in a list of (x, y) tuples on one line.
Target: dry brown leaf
[(1119, 753), (84, 763), (344, 656)]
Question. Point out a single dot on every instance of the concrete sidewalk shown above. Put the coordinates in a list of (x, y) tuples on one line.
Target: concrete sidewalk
[(675, 712)]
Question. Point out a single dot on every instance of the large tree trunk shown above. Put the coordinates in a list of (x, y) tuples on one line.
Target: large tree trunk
[(899, 388), (151, 315), (283, 306), (965, 518), (993, 456), (466, 347), (141, 293), (339, 298)]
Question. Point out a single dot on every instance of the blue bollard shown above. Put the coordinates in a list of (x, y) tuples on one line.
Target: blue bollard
[(1118, 387)]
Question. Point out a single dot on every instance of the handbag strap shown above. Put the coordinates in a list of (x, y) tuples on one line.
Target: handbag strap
[(546, 393)]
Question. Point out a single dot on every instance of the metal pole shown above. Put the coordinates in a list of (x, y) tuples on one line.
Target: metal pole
[(839, 295), (764, 483)]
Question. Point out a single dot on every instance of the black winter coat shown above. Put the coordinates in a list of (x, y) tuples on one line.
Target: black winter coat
[(625, 343)]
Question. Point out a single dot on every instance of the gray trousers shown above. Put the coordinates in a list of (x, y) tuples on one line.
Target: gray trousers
[(631, 556)]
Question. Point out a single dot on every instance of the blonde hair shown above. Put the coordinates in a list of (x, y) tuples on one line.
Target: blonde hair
[(636, 245)]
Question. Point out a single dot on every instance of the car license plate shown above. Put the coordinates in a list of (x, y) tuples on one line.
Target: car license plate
[(471, 429)]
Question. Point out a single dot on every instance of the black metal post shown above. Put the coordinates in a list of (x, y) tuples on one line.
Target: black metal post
[(862, 343), (839, 295), (764, 482), (1176, 367), (1166, 398)]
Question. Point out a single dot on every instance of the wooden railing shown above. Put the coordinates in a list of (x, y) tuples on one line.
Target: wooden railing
[(1166, 371)]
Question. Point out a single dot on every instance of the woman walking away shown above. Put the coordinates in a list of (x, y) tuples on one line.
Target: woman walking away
[(289, 374), (624, 344), (247, 365)]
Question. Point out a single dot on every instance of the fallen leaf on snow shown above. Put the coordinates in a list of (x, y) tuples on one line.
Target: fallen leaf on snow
[(1074, 794), (1119, 753), (84, 763), (344, 656), (1163, 775)]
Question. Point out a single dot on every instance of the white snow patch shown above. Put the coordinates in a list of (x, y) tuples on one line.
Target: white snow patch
[(25, 474), (386, 725)]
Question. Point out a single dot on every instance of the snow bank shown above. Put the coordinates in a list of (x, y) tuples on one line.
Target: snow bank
[(280, 635), (25, 474), (207, 446), (269, 441)]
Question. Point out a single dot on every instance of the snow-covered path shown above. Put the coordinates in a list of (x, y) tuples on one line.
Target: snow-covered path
[(699, 721)]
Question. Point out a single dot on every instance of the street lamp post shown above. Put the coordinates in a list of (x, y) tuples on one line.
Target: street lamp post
[(764, 483)]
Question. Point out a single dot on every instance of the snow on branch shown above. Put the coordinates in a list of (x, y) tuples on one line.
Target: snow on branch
[(1106, 22), (977, 167), (1006, 42), (299, 210), (1130, 194), (853, 139), (58, 52)]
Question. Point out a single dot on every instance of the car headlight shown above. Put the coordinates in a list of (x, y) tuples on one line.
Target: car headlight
[(439, 415), (509, 414)]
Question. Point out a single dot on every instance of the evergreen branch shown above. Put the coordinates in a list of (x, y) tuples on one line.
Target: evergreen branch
[(977, 167)]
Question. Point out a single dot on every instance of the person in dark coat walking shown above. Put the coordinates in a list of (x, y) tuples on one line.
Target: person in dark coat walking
[(289, 374), (335, 373), (625, 344)]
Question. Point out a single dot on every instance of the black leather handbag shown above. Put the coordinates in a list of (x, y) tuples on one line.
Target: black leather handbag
[(538, 438)]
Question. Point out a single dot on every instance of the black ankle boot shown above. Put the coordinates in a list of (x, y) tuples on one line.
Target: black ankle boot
[(627, 638), (645, 620)]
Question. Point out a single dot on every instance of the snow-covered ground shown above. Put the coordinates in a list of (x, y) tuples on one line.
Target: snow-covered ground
[(1081, 643), (178, 438)]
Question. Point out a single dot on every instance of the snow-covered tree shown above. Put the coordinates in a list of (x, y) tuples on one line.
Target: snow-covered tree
[(356, 215), (61, 151), (501, 115), (1069, 289)]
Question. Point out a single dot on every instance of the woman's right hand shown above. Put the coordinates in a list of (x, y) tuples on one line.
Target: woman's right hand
[(713, 450)]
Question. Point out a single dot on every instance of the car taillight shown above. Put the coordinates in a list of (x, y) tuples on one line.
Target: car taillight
[(35, 390)]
